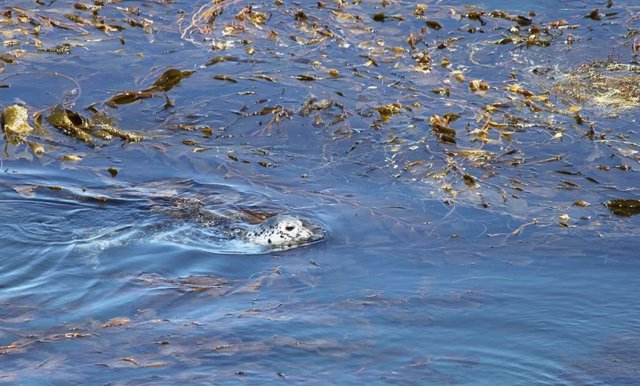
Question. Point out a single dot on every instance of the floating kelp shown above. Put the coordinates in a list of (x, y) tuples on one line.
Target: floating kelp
[(433, 25), (440, 127), (168, 80), (307, 77), (623, 207), (127, 97), (95, 23), (60, 49), (36, 148), (100, 125), (70, 123), (88, 7), (478, 85), (381, 17), (72, 157), (117, 322), (607, 84), (387, 111), (385, 52), (123, 134), (15, 126), (254, 17), (225, 78), (313, 104), (221, 59), (478, 15)]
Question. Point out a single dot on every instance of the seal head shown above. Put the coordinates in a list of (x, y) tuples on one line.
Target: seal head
[(281, 232)]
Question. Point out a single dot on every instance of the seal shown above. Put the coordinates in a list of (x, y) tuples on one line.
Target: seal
[(278, 233), (217, 221)]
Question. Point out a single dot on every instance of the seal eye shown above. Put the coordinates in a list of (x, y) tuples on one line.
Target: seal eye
[(290, 228)]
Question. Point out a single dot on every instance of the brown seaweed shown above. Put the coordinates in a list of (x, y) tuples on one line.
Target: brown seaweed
[(623, 207)]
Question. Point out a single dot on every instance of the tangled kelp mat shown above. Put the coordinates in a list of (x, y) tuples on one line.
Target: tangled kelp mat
[(608, 84)]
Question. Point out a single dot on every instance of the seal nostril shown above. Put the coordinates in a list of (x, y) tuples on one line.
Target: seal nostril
[(290, 228)]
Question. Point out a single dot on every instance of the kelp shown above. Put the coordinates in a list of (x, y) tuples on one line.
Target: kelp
[(440, 127), (94, 22), (624, 207), (168, 80), (17, 130), (225, 78), (72, 157), (382, 17), (420, 83), (70, 123), (15, 125), (86, 129), (484, 113), (607, 84), (251, 15), (117, 132), (126, 97), (36, 148), (313, 104), (60, 49), (387, 111)]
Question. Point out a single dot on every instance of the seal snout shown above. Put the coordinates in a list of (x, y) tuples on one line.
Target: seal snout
[(316, 232)]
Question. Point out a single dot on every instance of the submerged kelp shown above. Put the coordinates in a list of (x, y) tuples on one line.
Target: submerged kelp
[(617, 362)]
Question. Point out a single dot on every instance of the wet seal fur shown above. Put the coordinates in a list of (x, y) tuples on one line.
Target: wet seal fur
[(278, 233)]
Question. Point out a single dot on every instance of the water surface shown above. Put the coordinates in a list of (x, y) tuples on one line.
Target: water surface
[(487, 259)]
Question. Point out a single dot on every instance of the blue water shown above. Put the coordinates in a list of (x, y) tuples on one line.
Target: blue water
[(422, 279)]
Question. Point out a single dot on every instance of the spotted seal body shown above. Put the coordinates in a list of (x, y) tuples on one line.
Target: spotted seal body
[(278, 233)]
